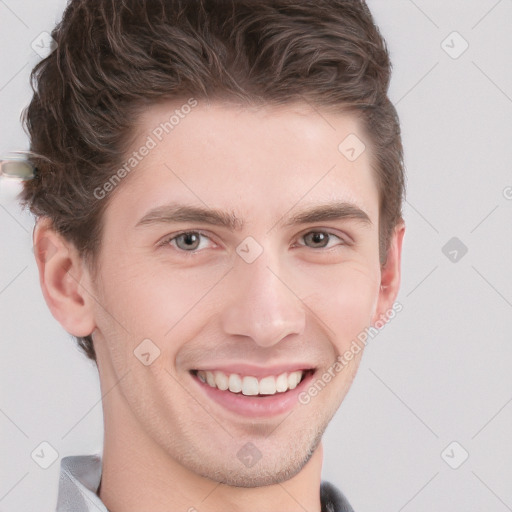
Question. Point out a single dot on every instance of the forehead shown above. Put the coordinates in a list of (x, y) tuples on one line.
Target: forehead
[(259, 160)]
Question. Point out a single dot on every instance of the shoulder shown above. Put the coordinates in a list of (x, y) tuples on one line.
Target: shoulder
[(332, 499)]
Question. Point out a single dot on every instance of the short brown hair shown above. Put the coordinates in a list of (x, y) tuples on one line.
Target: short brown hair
[(112, 58)]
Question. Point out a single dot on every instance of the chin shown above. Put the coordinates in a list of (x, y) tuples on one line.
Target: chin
[(272, 469)]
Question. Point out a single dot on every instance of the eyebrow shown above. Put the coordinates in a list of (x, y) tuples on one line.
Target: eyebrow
[(331, 211), (175, 212), (183, 213)]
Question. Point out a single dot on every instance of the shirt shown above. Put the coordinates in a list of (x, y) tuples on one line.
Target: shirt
[(80, 477)]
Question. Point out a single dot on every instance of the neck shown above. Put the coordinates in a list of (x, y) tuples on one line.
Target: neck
[(139, 475)]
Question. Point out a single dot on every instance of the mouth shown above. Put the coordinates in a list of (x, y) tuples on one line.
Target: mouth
[(251, 396), (251, 386)]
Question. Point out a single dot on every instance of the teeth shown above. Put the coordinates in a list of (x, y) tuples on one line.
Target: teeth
[(293, 380), (221, 381), (210, 379), (249, 385), (282, 383), (267, 386), (235, 383)]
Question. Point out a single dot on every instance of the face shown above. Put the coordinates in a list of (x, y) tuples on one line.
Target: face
[(243, 248)]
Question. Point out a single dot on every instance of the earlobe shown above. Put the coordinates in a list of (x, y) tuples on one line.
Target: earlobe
[(61, 272), (390, 274)]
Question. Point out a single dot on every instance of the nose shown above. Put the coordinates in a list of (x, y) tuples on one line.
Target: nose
[(263, 304)]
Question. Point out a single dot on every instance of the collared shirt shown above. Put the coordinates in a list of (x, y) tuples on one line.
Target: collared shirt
[(80, 477)]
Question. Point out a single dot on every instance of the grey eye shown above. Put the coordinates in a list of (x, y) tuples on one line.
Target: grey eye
[(190, 241), (318, 238)]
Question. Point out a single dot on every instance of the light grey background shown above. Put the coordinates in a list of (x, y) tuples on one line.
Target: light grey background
[(438, 373)]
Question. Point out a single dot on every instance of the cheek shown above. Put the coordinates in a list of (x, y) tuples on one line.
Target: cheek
[(155, 299), (345, 302)]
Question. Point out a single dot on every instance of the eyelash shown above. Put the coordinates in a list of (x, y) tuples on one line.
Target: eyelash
[(167, 241)]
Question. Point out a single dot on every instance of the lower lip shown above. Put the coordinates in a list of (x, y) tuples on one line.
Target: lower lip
[(256, 406)]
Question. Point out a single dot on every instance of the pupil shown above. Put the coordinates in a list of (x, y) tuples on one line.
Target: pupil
[(318, 238), (190, 238)]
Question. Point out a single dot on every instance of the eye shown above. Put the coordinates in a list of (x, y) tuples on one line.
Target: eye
[(321, 239), (189, 241)]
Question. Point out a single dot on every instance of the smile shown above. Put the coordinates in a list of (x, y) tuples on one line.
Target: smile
[(249, 396), (251, 386)]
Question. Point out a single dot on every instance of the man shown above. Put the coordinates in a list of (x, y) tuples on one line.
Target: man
[(218, 190)]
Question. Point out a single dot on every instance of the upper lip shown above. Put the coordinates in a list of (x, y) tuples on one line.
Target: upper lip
[(256, 371)]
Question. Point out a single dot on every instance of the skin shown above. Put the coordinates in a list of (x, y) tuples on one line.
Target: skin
[(167, 445)]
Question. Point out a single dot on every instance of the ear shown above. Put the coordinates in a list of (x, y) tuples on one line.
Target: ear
[(61, 276), (390, 274)]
